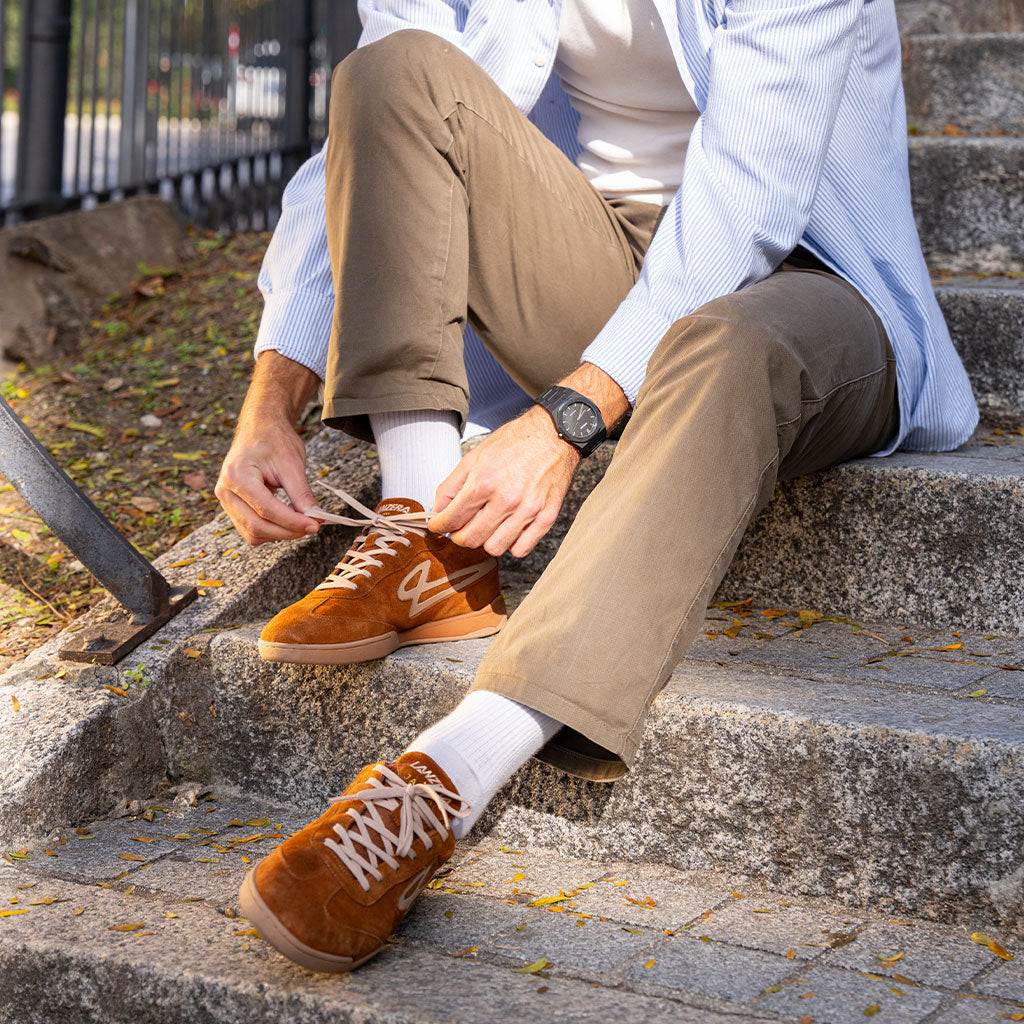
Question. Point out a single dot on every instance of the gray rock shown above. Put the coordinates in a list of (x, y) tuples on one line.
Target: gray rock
[(973, 82), (969, 202)]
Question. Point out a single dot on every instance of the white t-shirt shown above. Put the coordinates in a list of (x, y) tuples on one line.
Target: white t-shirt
[(636, 115)]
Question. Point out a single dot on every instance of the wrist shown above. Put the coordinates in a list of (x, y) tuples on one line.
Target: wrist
[(279, 391)]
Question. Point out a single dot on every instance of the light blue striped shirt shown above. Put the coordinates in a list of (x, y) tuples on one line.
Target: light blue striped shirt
[(801, 139)]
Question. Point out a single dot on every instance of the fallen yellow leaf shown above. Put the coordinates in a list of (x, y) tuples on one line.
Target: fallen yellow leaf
[(1000, 951), (130, 856), (12, 913), (870, 1011), (14, 701), (127, 927), (650, 963), (537, 965), (209, 583)]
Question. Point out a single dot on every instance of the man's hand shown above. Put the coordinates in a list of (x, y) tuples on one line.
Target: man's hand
[(506, 493), (267, 453)]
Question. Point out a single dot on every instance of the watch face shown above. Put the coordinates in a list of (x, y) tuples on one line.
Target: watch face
[(578, 421)]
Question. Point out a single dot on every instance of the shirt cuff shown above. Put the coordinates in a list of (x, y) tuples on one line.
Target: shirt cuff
[(297, 325), (626, 343)]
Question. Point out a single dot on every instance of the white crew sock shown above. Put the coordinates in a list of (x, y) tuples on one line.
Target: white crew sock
[(417, 451), (481, 743)]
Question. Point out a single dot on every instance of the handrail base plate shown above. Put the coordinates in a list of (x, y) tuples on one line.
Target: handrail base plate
[(108, 641)]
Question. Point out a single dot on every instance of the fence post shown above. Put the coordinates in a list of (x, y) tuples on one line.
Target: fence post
[(134, 83), (43, 89), (298, 19), (343, 31)]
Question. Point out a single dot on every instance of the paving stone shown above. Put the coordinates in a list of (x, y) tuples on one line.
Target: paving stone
[(787, 927), (1007, 980), (971, 1010), (190, 877), (1005, 684), (679, 897), (711, 969), (457, 922), (842, 997), (593, 946), (488, 870), (802, 653), (940, 957), (201, 966), (934, 671)]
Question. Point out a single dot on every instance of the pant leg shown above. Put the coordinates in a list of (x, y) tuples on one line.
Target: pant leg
[(443, 200), (785, 377)]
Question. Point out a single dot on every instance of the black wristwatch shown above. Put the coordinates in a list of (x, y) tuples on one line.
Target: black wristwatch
[(577, 419)]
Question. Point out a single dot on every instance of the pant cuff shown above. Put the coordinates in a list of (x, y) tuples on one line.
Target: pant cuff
[(352, 414), (586, 747)]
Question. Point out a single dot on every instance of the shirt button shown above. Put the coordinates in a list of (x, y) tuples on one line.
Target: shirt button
[(540, 60)]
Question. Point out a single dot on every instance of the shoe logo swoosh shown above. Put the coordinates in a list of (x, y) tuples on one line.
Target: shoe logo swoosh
[(417, 584), (413, 889)]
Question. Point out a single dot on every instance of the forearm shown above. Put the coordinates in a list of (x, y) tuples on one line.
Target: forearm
[(280, 388)]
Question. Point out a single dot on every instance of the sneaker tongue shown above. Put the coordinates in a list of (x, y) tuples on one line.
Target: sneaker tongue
[(417, 767), (398, 507)]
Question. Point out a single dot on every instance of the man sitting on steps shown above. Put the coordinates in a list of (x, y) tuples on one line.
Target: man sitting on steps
[(728, 257)]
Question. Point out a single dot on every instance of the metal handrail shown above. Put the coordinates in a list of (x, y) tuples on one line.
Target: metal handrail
[(142, 591)]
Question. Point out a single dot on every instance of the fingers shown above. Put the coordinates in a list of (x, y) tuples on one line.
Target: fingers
[(300, 494), (257, 513), (528, 539), (450, 486), (461, 497), (254, 529)]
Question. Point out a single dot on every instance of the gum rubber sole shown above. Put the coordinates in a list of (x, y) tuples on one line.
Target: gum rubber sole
[(262, 918), (469, 626)]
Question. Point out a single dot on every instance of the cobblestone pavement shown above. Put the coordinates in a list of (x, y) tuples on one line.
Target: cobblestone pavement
[(504, 932)]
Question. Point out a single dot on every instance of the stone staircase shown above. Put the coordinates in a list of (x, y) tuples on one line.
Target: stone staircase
[(867, 746)]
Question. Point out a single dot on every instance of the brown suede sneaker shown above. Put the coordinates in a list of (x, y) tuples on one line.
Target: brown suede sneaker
[(329, 897), (399, 584)]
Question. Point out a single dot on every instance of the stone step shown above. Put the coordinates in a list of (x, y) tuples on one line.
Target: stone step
[(986, 319), (974, 82), (968, 196), (927, 537), (876, 764), (633, 943), (920, 17), (921, 537)]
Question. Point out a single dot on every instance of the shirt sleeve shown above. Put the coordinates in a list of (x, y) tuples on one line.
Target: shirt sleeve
[(295, 277), (755, 157)]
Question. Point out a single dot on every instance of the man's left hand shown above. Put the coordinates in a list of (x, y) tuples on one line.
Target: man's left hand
[(505, 494)]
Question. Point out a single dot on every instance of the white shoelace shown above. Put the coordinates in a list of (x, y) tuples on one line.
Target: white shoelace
[(390, 530), (368, 842)]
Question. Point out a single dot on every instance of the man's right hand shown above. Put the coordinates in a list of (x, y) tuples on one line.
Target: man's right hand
[(267, 453)]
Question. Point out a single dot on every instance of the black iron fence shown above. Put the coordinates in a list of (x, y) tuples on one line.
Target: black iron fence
[(212, 103)]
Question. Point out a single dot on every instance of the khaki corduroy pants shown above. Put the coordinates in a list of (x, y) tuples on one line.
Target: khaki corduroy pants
[(444, 202)]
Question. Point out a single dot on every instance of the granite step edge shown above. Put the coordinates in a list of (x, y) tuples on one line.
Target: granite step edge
[(815, 779)]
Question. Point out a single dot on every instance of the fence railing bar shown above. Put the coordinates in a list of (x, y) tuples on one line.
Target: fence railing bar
[(83, 17), (3, 95)]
